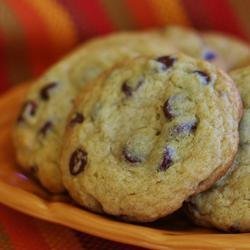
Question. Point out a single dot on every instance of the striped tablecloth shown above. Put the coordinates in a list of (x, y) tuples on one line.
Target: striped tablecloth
[(36, 33)]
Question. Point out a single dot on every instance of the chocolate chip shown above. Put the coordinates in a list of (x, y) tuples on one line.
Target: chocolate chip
[(46, 127), (185, 128), (77, 118), (176, 105), (78, 161), (209, 55), (128, 90), (206, 78), (158, 132), (45, 91), (167, 159), (167, 61), (168, 109), (129, 156), (28, 108)]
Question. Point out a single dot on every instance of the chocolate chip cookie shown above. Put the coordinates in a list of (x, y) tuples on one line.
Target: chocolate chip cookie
[(148, 134), (190, 42), (234, 52), (41, 122), (227, 204), (225, 51)]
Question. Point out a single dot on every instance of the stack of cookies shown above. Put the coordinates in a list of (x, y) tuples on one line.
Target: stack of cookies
[(137, 124)]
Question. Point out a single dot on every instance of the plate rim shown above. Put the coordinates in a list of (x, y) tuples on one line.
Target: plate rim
[(12, 196)]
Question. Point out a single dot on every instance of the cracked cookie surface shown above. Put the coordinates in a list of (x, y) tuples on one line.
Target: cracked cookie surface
[(156, 130)]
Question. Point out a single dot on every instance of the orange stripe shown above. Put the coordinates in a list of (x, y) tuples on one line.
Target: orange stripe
[(21, 230), (58, 23), (35, 34), (119, 14), (169, 11), (142, 13)]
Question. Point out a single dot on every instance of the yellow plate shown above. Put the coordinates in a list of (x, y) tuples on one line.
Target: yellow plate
[(20, 192)]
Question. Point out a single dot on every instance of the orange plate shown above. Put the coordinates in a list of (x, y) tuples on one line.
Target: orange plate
[(20, 192)]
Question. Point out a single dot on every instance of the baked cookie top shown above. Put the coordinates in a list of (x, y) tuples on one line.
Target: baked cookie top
[(227, 204), (148, 134), (190, 42), (234, 52), (220, 49), (41, 123)]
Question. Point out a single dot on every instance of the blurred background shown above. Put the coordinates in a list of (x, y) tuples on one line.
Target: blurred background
[(36, 33)]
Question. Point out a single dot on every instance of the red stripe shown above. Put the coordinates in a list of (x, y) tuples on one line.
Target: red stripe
[(21, 230), (87, 23), (213, 14), (196, 13), (4, 81), (222, 17), (142, 12), (76, 17), (15, 46), (91, 23), (95, 16), (36, 35)]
